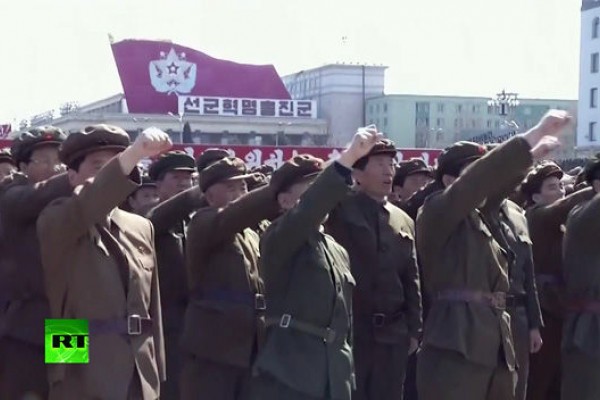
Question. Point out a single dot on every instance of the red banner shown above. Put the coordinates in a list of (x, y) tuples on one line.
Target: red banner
[(275, 156)]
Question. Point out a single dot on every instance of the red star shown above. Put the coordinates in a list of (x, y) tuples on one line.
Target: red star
[(173, 68)]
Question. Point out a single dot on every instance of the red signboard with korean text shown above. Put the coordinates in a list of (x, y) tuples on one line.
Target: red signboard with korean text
[(274, 156)]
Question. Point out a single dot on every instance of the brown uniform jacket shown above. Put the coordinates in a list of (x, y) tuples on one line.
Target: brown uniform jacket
[(307, 276), (514, 238), (581, 268), (20, 205), (83, 281), (380, 241), (170, 219), (221, 320), (546, 226), (458, 252)]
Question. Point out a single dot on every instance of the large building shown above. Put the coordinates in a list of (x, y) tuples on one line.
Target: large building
[(341, 92), (588, 132), (438, 121)]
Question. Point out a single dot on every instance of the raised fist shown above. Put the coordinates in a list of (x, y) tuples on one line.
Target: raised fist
[(363, 141), (151, 142)]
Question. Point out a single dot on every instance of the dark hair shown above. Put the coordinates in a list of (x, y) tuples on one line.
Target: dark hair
[(361, 164), (76, 163)]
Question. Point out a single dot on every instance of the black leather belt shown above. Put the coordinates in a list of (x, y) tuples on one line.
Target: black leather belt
[(379, 320), (255, 300), (133, 325), (286, 321)]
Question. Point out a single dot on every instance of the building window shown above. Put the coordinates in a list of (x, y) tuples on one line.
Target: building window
[(592, 132), (489, 124), (459, 108), (473, 124), (384, 121), (439, 122), (595, 63), (440, 108), (497, 124), (490, 109), (595, 27), (385, 108), (371, 109), (593, 97), (377, 107)]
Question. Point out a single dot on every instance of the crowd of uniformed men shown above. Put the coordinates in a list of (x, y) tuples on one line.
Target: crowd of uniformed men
[(203, 280)]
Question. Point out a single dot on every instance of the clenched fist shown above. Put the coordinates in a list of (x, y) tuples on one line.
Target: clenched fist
[(543, 138), (151, 142), (362, 143)]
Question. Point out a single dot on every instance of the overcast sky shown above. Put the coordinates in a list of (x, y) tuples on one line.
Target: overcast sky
[(58, 51)]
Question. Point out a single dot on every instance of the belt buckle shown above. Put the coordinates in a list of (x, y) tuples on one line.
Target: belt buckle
[(378, 320), (134, 325), (285, 321), (498, 300), (329, 335), (260, 302)]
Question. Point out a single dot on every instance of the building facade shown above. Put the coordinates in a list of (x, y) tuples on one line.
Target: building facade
[(341, 92), (204, 129), (415, 121), (588, 133)]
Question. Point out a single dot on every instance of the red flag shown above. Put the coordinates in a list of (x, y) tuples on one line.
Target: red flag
[(5, 129), (154, 73)]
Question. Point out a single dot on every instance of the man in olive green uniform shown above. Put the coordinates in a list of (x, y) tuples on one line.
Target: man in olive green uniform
[(468, 349), (379, 238), (508, 225), (172, 173), (580, 345), (547, 213), (224, 320), (22, 197), (308, 352), (411, 175)]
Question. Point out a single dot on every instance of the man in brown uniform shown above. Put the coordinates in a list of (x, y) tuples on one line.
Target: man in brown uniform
[(580, 344), (468, 350), (379, 238), (144, 198), (100, 265), (172, 173), (224, 321), (547, 213), (508, 225), (411, 175), (23, 196)]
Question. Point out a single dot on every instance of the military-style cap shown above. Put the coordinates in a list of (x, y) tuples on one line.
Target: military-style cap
[(454, 157), (227, 169), (383, 146), (6, 156), (256, 180), (296, 170), (210, 156), (410, 167), (591, 171), (26, 142), (147, 182), (91, 139), (264, 169), (171, 161), (536, 177)]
